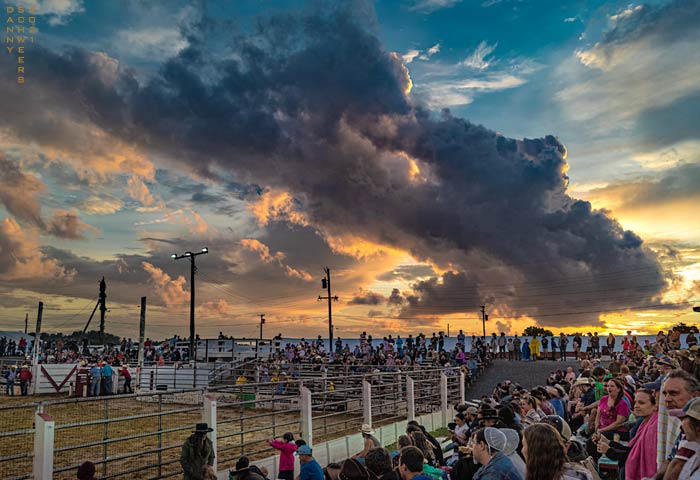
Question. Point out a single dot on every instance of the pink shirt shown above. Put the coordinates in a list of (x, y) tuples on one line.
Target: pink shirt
[(286, 453), (608, 417)]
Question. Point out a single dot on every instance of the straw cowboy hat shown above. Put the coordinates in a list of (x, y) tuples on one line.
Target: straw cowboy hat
[(366, 429)]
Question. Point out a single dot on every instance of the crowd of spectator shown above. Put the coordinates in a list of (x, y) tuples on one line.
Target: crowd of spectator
[(635, 416)]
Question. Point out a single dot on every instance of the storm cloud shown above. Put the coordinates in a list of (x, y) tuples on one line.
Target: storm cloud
[(314, 106)]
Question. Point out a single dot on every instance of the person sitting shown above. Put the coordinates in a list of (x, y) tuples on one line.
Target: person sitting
[(402, 442), (378, 463), (494, 464), (370, 441), (545, 456), (641, 451), (411, 463)]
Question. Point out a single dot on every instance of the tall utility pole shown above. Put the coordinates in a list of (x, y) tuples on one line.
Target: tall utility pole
[(103, 309), (262, 322), (326, 284), (26, 322), (484, 318), (193, 270)]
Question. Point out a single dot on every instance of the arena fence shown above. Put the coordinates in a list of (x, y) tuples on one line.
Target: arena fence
[(140, 435)]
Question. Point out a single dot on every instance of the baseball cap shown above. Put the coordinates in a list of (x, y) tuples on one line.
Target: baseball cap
[(666, 360), (472, 411), (560, 425), (304, 450), (691, 409)]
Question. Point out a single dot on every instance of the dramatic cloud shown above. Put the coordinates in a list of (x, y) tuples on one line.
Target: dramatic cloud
[(170, 290), (407, 272), (358, 159), (22, 259), (641, 76)]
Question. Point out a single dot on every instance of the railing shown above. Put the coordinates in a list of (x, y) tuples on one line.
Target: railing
[(249, 414), (17, 440), (129, 436), (139, 436)]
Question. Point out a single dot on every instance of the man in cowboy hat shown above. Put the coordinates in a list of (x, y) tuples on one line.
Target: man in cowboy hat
[(369, 439), (197, 452), (25, 378)]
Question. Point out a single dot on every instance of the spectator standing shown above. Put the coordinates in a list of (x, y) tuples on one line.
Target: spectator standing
[(611, 343), (516, 348), (127, 378), (95, 379), (107, 373), (197, 451), (563, 342), (25, 379), (502, 341), (287, 447), (310, 469), (545, 348), (11, 376)]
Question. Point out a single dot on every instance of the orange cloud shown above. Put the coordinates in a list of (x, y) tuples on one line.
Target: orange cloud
[(200, 226), (275, 205), (265, 256), (22, 258), (171, 291), (138, 190)]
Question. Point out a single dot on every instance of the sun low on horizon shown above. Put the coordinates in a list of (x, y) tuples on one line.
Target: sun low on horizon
[(435, 156)]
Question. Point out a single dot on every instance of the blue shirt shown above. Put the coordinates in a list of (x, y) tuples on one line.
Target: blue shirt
[(95, 372), (311, 471), (107, 370), (499, 468)]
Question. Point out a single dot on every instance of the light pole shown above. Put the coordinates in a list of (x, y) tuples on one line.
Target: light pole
[(193, 270)]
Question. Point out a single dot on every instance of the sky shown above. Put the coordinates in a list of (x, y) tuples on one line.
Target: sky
[(539, 158)]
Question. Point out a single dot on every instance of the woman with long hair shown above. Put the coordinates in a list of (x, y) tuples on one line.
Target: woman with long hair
[(420, 441), (639, 457), (545, 456), (613, 410)]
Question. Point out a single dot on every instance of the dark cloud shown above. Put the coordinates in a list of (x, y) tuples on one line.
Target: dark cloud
[(395, 298), (314, 105), (672, 123), (406, 272), (67, 225), (367, 298)]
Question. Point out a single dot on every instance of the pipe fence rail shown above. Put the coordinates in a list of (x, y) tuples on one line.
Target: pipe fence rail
[(17, 440), (249, 414), (140, 436)]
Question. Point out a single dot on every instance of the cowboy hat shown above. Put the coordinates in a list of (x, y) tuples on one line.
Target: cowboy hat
[(202, 428), (366, 429)]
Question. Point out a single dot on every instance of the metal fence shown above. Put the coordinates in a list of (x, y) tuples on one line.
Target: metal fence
[(249, 414), (129, 436), (17, 440), (139, 436)]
